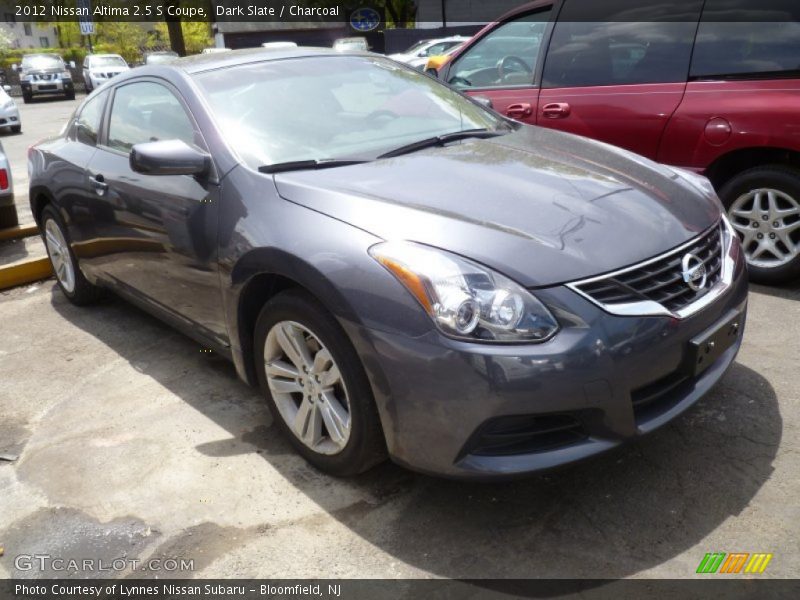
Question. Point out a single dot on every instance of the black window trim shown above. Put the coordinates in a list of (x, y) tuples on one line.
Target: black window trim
[(536, 81), (102, 137)]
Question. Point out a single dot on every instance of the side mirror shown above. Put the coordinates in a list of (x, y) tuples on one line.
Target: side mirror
[(483, 101), (72, 64), (169, 157), (7, 88), (15, 67)]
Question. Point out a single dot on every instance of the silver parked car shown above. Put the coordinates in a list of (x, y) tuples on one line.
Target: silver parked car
[(8, 212)]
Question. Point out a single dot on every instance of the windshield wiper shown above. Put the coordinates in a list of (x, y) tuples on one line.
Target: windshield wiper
[(440, 140), (320, 163)]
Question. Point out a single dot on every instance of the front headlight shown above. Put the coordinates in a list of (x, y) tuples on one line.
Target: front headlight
[(65, 75), (465, 299)]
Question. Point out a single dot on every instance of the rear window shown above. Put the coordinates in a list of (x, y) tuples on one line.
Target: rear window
[(621, 42), (748, 38)]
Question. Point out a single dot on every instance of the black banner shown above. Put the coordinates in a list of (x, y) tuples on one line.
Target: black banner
[(732, 588)]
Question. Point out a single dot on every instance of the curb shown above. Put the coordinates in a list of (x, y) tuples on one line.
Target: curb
[(23, 272), (20, 231)]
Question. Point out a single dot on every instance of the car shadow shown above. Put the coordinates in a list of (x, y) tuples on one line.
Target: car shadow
[(787, 291), (612, 517)]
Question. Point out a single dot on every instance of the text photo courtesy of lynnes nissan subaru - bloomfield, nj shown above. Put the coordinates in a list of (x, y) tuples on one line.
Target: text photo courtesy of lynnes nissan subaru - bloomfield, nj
[(345, 299)]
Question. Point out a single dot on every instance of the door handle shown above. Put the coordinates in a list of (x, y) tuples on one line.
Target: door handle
[(99, 184), (556, 110), (518, 111)]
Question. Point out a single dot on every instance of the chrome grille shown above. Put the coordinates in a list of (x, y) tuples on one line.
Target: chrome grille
[(660, 280)]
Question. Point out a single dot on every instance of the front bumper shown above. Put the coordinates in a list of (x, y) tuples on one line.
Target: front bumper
[(53, 86), (9, 117), (602, 381)]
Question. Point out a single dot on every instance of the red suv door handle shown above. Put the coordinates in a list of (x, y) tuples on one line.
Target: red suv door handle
[(518, 111), (556, 110)]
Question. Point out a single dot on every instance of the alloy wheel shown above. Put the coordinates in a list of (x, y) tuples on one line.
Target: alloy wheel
[(768, 223), (307, 387), (59, 255)]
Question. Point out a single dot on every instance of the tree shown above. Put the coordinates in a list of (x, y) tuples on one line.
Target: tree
[(196, 35), (402, 12)]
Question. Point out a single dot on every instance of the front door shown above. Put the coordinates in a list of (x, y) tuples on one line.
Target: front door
[(502, 65), (160, 240)]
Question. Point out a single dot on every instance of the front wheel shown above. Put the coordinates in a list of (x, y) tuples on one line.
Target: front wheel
[(763, 205), (317, 389), (73, 284), (16, 128)]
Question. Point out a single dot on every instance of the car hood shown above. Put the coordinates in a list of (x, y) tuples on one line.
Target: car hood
[(541, 206)]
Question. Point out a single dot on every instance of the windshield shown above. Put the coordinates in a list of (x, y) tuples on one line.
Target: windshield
[(321, 108), (42, 62), (107, 61), (416, 47)]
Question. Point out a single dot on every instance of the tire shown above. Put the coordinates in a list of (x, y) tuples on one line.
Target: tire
[(16, 129), (26, 98), (364, 446), (70, 95), (784, 183), (77, 289)]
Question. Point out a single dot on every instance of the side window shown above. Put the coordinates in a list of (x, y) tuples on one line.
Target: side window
[(621, 43), (438, 49), (504, 57), (88, 122), (147, 112), (747, 38)]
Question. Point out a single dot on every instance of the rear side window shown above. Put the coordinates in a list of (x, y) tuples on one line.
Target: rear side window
[(147, 112), (748, 38), (88, 122), (621, 42)]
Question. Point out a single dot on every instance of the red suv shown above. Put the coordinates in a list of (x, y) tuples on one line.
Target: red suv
[(708, 85)]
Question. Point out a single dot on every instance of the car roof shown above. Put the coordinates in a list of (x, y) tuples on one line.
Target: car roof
[(207, 62)]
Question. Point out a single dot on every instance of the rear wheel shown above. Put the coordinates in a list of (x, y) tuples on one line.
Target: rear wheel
[(318, 391), (763, 205), (73, 284)]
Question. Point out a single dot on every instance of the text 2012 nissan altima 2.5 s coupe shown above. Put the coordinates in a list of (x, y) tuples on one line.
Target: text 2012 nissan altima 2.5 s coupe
[(398, 268)]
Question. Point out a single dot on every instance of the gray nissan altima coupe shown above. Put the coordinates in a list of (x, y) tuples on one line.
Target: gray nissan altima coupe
[(399, 269)]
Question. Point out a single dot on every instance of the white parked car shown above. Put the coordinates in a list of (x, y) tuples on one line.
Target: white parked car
[(279, 45), (99, 68), (417, 55), (9, 113), (351, 44)]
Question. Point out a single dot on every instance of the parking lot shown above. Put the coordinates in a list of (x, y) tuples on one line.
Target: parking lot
[(132, 442)]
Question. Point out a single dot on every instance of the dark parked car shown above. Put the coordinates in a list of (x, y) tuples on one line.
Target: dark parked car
[(397, 267), (709, 86), (45, 75)]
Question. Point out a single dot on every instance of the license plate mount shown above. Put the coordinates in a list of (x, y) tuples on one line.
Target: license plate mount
[(707, 347)]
